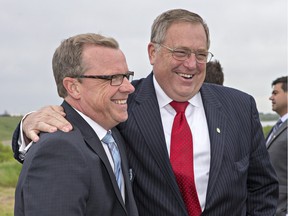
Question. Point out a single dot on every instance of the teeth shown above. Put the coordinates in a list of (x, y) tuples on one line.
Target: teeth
[(185, 75), (120, 101)]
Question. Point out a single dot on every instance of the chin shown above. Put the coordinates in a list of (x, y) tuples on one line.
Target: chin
[(123, 118)]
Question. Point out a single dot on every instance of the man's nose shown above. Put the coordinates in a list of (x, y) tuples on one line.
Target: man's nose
[(191, 61), (126, 86)]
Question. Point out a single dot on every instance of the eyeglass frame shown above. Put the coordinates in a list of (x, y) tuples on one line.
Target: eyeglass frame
[(188, 53), (129, 75)]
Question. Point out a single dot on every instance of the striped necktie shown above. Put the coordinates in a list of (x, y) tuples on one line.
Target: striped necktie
[(113, 148), (274, 130)]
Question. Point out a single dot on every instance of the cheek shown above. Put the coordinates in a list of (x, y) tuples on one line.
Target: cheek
[(202, 68), (98, 95), (103, 96), (168, 65)]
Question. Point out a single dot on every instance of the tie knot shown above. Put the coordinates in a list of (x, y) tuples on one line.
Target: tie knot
[(108, 138), (179, 106), (279, 122), (277, 125)]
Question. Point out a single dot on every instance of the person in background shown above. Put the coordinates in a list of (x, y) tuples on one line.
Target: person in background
[(220, 165), (214, 73), (276, 140), (76, 173)]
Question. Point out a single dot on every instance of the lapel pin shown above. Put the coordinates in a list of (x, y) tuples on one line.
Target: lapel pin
[(218, 130)]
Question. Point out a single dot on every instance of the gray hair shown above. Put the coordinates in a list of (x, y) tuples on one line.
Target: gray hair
[(166, 19), (67, 59)]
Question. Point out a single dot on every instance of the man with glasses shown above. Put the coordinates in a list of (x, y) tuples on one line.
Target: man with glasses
[(85, 171), (209, 156)]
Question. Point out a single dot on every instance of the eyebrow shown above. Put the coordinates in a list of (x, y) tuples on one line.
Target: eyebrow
[(187, 48)]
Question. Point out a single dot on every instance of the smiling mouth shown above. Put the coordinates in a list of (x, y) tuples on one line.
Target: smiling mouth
[(186, 76), (120, 101)]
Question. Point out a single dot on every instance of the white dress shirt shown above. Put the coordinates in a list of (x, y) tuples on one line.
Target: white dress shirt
[(284, 118), (196, 118)]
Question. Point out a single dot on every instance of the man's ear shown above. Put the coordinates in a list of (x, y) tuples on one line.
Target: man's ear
[(72, 87), (151, 52)]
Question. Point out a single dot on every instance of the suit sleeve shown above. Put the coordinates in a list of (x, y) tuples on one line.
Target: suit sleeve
[(15, 146), (262, 180)]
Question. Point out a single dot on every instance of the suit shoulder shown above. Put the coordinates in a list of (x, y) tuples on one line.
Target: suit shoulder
[(59, 136), (58, 149), (137, 84), (228, 98), (54, 143), (225, 92)]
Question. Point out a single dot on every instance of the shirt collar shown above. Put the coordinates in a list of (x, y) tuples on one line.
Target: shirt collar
[(163, 99), (100, 131), (284, 117)]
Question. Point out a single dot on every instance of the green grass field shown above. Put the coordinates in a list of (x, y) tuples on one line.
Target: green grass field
[(7, 126), (9, 172), (9, 167), (6, 201)]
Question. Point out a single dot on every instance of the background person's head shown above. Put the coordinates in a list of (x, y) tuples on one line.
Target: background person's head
[(178, 51), (103, 95), (279, 96), (214, 73)]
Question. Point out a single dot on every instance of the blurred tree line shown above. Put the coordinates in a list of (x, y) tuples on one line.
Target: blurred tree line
[(268, 116)]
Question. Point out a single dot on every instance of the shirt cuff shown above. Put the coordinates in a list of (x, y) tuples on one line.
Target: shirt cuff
[(23, 147)]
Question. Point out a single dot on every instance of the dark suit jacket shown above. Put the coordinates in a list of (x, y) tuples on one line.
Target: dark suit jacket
[(241, 179), (277, 148), (69, 174)]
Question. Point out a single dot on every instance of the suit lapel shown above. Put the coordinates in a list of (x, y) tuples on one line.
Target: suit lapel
[(94, 142), (217, 125), (280, 130), (150, 125), (120, 142)]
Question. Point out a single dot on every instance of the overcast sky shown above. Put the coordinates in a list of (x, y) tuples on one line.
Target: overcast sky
[(248, 37)]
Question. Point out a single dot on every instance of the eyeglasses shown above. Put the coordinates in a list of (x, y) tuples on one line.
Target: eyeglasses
[(115, 80), (182, 54)]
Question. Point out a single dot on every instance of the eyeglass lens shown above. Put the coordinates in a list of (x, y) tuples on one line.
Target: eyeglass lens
[(118, 79)]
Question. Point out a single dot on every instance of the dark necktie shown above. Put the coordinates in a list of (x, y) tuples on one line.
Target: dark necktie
[(274, 130), (109, 141), (181, 158), (277, 125)]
